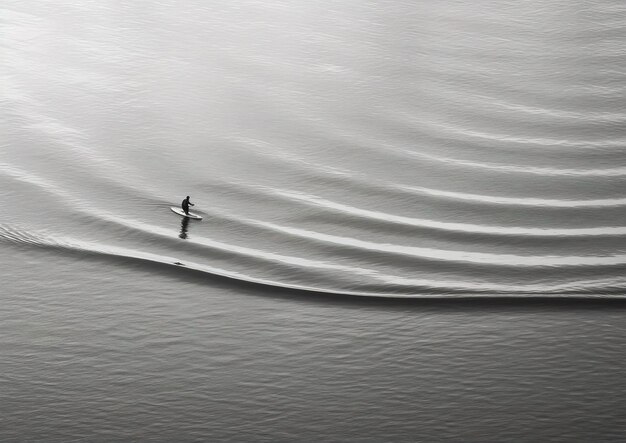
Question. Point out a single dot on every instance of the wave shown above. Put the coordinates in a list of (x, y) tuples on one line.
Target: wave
[(449, 226), (547, 171), (268, 150), (515, 201), (439, 91), (361, 180), (522, 169), (290, 264), (336, 277), (455, 255), (393, 287)]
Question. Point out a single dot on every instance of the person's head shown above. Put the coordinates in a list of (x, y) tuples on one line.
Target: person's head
[(187, 197)]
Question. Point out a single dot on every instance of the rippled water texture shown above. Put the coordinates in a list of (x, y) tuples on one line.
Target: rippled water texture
[(397, 150), (468, 157)]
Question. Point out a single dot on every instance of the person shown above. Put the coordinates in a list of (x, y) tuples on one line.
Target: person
[(186, 204)]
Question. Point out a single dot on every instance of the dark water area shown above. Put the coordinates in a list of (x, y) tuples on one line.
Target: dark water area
[(413, 221), (187, 358)]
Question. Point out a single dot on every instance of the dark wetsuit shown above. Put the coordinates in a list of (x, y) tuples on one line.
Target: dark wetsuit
[(185, 204)]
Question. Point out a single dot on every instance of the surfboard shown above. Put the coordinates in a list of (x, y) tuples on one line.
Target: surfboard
[(179, 211)]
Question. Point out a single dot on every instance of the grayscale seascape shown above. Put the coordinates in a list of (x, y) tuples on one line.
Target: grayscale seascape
[(413, 220)]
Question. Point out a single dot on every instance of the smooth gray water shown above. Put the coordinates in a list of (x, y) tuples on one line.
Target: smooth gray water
[(468, 158)]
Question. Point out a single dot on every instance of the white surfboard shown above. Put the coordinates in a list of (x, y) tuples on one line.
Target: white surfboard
[(179, 211)]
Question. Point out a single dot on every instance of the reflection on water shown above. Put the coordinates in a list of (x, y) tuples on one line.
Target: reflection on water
[(183, 228)]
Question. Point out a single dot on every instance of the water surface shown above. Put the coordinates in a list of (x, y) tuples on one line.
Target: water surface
[(340, 154)]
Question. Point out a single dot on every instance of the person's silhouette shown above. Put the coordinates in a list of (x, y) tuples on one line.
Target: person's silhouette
[(186, 204)]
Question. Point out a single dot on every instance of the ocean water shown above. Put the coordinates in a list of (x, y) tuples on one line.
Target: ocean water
[(413, 220)]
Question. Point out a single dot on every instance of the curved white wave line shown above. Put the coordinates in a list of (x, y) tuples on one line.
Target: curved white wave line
[(556, 288), (462, 196), (417, 284), (592, 116), (482, 99), (451, 226), (455, 256), (516, 201), (481, 198), (608, 172), (431, 124)]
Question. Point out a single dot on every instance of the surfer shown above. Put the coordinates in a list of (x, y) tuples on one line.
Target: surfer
[(186, 204)]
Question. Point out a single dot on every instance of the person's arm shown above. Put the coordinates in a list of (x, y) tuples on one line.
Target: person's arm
[(191, 204)]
